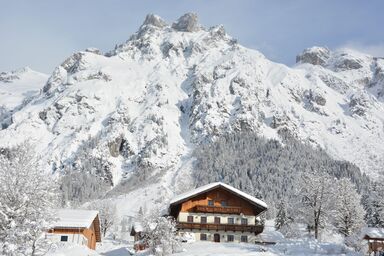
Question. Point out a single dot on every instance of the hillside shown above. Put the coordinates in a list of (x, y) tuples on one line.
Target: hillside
[(129, 119)]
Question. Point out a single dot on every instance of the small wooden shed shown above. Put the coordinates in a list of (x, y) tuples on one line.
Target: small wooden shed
[(76, 226), (375, 239), (138, 236)]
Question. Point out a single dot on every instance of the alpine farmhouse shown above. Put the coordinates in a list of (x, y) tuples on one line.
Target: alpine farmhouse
[(218, 212)]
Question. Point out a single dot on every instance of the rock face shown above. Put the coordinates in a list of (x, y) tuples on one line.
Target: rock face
[(187, 23), (136, 113), (154, 20), (314, 56)]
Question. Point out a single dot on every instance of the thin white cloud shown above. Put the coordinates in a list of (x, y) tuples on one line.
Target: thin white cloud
[(376, 50)]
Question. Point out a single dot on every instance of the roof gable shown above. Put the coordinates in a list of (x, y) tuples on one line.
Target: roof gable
[(203, 189), (374, 233)]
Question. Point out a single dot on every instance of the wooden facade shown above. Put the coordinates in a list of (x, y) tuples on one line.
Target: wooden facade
[(90, 232), (375, 245), (233, 203), (200, 203)]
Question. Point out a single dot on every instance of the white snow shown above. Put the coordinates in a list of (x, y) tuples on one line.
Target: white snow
[(214, 185), (74, 218), (72, 250), (27, 84), (146, 82), (374, 232)]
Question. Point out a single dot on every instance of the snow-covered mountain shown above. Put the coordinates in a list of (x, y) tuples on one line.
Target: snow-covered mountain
[(142, 107), (17, 89)]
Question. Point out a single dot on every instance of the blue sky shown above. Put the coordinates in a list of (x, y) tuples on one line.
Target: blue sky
[(42, 33)]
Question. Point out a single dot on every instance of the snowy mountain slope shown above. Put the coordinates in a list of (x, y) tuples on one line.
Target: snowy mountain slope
[(17, 88), (133, 115)]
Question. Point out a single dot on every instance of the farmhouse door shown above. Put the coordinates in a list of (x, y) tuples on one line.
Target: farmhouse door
[(216, 238)]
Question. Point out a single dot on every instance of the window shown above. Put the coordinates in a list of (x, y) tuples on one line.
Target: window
[(231, 221), (203, 237), (203, 219), (217, 220), (244, 221), (64, 239), (244, 239), (230, 238), (210, 202), (190, 218), (224, 203)]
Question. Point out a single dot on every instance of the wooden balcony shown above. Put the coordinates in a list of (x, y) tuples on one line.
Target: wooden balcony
[(221, 227), (218, 209)]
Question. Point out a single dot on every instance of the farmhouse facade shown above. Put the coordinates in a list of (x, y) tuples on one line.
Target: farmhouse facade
[(218, 212), (76, 226)]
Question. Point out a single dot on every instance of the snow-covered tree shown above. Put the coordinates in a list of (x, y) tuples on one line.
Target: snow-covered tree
[(264, 168), (27, 195), (349, 213), (282, 218), (285, 221), (316, 197), (159, 233), (107, 214), (373, 202)]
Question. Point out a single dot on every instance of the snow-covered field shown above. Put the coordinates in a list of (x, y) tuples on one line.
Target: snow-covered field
[(301, 247), (289, 247)]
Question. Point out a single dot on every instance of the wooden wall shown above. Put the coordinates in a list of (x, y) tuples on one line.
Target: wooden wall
[(218, 195), (88, 233)]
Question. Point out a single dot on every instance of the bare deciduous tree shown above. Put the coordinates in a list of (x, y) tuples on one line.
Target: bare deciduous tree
[(107, 214)]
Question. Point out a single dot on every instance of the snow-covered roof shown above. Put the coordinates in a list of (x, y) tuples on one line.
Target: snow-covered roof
[(137, 226), (74, 218), (374, 233), (214, 185)]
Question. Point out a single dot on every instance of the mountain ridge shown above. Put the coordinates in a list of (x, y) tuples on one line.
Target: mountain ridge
[(142, 107)]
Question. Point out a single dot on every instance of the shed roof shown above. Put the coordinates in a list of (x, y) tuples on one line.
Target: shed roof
[(74, 218), (374, 233), (185, 196)]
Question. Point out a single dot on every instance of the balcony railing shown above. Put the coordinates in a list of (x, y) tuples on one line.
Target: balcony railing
[(218, 209), (222, 227)]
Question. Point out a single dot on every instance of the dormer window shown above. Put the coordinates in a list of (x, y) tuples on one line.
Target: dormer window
[(210, 203)]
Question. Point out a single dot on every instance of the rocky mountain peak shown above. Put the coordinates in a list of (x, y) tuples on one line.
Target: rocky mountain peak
[(154, 20), (314, 55), (187, 23)]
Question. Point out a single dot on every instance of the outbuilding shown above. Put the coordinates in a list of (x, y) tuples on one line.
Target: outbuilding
[(76, 226), (375, 238)]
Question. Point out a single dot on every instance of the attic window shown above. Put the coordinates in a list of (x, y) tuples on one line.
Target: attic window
[(64, 238), (224, 203), (210, 202)]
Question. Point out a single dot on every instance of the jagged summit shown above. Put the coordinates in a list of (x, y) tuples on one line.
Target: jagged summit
[(339, 60), (154, 20), (187, 23), (315, 55), (184, 36)]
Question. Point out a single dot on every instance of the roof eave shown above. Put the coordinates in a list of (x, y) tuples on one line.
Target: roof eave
[(214, 187)]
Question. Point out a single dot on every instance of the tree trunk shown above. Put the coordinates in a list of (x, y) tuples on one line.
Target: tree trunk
[(33, 248), (316, 230)]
